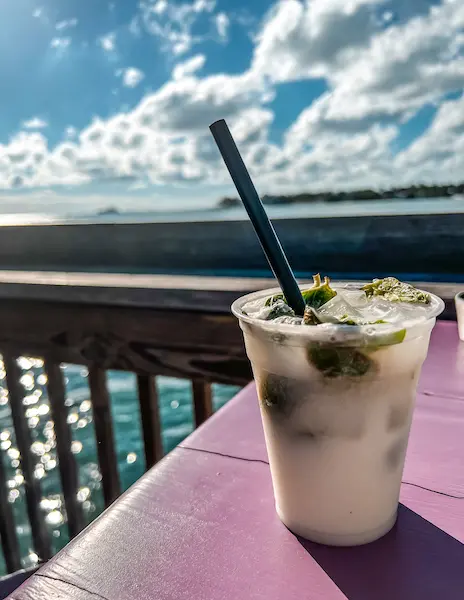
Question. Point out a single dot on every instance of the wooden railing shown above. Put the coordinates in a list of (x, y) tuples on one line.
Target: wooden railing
[(148, 325)]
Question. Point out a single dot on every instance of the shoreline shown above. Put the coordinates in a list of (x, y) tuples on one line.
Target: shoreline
[(280, 212)]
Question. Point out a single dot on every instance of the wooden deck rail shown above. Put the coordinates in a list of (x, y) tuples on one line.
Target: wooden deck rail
[(148, 325)]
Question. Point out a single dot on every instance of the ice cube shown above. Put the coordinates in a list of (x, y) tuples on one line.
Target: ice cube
[(256, 309), (356, 298), (403, 312), (379, 309), (339, 309), (288, 320)]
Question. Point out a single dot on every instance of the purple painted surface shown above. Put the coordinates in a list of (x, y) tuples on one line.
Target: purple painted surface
[(435, 457), (241, 432), (202, 525), (9, 583), (443, 371)]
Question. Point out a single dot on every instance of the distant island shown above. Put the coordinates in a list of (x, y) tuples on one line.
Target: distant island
[(108, 212), (415, 191)]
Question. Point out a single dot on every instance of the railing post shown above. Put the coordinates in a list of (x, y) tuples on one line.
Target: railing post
[(10, 544), (150, 417), (67, 462), (104, 433), (202, 400), (40, 536)]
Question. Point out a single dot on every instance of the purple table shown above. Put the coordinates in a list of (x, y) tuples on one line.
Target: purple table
[(201, 525)]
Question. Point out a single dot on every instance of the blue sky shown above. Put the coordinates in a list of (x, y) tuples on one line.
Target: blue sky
[(108, 103)]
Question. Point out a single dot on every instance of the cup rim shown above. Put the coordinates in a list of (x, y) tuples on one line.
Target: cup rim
[(459, 297), (348, 333)]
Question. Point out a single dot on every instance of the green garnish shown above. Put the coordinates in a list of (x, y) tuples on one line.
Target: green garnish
[(338, 361), (273, 299), (343, 361), (347, 320), (334, 361), (278, 394), (388, 339), (280, 309), (317, 296), (396, 291)]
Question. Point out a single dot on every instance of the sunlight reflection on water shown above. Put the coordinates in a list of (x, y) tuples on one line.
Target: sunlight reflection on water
[(177, 422)]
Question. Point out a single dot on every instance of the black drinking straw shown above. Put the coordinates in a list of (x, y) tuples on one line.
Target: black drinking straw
[(255, 209)]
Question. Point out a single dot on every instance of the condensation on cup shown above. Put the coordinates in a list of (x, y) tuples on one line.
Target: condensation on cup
[(337, 439)]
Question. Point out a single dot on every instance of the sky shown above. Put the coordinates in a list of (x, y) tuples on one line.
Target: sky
[(108, 103)]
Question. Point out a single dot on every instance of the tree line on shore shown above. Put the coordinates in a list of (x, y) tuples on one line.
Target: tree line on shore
[(415, 191)]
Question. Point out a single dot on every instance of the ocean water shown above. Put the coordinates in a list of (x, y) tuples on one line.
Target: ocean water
[(393, 206), (177, 422)]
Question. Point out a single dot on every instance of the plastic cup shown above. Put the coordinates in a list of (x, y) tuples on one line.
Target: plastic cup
[(336, 405), (459, 300)]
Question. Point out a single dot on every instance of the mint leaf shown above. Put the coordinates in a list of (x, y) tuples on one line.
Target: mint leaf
[(338, 361), (319, 294), (396, 291)]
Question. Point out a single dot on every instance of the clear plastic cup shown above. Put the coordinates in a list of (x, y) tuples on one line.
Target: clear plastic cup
[(336, 404), (459, 300)]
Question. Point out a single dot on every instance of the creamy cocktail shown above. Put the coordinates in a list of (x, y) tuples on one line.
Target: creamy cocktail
[(337, 390)]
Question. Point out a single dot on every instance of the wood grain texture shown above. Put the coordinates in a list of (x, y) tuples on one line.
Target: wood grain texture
[(154, 291), (161, 342)]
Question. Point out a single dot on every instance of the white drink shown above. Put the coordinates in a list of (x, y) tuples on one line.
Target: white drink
[(336, 437)]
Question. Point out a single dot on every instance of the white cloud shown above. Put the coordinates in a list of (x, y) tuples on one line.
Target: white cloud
[(343, 160), (387, 16), (159, 7), (403, 67), (35, 123), (164, 139), (251, 125), (222, 24), (131, 77), (189, 67), (191, 104), (67, 24), (60, 43), (204, 6), (173, 24), (40, 14), (20, 158), (108, 42), (378, 74), (372, 73), (437, 155), (308, 39), (70, 132)]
